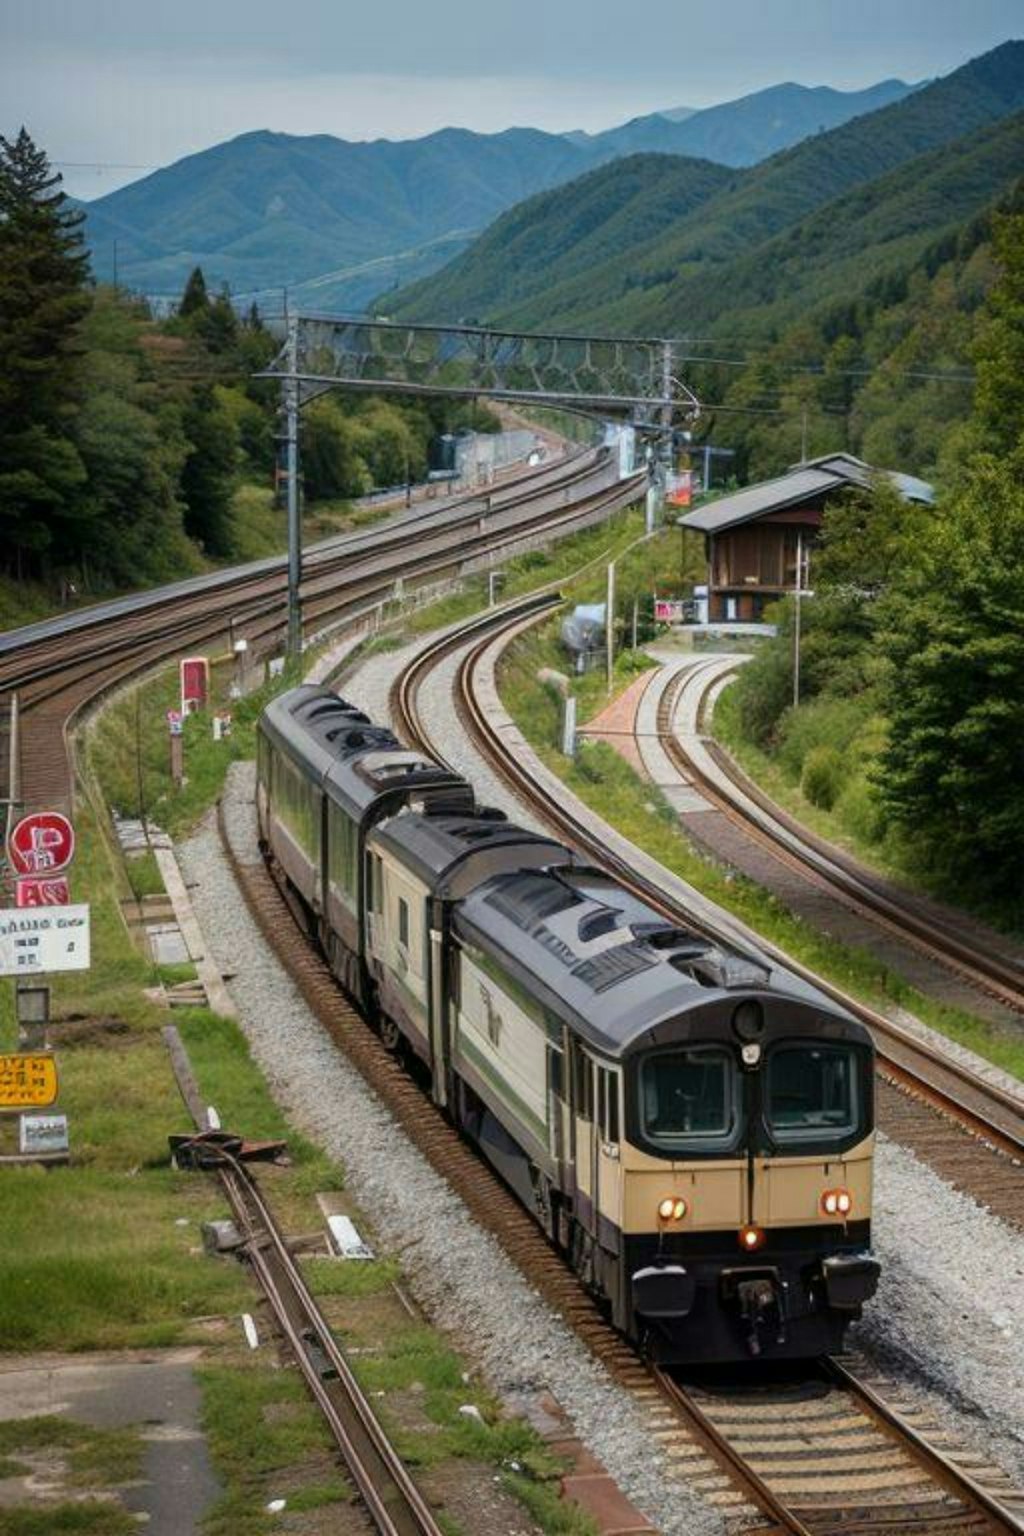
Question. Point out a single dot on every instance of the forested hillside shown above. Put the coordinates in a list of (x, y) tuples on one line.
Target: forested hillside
[(850, 328), (123, 441), (570, 236), (646, 287), (910, 729)]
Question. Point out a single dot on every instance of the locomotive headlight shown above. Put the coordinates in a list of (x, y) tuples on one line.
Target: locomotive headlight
[(836, 1202), (752, 1237), (672, 1209)]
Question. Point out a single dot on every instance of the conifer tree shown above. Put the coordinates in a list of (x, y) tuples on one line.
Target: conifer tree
[(195, 299), (43, 299)]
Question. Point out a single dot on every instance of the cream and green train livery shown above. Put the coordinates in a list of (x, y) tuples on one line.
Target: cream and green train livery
[(692, 1126)]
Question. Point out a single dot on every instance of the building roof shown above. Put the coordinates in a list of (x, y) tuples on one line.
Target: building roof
[(815, 478)]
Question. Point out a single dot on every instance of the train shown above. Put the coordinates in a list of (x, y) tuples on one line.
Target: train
[(691, 1125)]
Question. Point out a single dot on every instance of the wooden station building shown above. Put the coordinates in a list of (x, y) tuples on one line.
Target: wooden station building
[(758, 537)]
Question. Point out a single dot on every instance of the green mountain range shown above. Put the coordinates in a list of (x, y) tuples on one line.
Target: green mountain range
[(339, 222), (659, 274), (750, 129)]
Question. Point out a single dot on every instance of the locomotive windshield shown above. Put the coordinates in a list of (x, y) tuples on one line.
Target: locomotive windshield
[(811, 1090), (688, 1096)]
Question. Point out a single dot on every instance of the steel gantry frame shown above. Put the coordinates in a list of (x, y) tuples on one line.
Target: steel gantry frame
[(631, 377)]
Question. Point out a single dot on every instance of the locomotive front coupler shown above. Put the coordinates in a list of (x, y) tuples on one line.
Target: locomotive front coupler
[(761, 1296)]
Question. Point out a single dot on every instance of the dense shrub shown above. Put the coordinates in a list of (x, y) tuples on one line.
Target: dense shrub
[(823, 775)]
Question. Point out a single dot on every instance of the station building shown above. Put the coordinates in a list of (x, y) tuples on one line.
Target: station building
[(758, 539)]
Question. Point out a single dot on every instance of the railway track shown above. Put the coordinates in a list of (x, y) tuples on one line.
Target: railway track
[(61, 666), (709, 1442), (392, 1500), (684, 705), (835, 1452)]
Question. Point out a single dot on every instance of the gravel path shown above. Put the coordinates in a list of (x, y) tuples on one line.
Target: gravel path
[(457, 1271)]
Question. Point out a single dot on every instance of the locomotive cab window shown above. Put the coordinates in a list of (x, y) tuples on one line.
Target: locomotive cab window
[(403, 922), (688, 1097), (813, 1090)]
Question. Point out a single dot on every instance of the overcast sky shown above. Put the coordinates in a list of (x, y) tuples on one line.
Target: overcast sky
[(134, 84)]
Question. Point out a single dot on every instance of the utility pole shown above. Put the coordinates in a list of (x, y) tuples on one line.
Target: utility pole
[(290, 387), (796, 618)]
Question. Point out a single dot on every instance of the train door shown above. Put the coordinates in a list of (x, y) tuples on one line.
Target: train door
[(607, 1165), (558, 1140)]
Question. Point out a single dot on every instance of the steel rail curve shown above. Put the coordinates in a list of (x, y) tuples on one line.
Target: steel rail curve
[(745, 803)]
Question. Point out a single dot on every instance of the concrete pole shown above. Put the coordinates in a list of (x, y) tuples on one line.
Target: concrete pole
[(609, 624), (290, 386)]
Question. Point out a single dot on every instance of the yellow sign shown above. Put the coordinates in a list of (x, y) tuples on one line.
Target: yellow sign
[(27, 1082)]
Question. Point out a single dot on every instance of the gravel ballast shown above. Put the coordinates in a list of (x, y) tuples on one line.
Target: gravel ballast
[(457, 1271)]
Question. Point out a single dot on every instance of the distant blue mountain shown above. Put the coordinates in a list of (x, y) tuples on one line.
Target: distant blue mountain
[(341, 222)]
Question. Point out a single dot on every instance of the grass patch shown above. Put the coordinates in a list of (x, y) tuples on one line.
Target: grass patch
[(267, 1440), (606, 783), (127, 751), (144, 876), (89, 1517), (94, 1458)]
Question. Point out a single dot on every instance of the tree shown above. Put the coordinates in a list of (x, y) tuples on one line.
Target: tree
[(331, 465), (43, 299), (999, 351), (208, 474), (195, 299), (949, 776)]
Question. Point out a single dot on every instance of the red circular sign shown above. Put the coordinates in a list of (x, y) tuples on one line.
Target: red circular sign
[(41, 844)]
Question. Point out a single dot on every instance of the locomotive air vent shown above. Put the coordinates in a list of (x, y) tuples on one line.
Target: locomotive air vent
[(594, 924), (684, 944), (527, 899), (612, 966)]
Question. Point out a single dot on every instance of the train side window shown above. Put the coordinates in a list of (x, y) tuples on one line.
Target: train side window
[(608, 1104), (582, 1085), (556, 1080), (403, 922)]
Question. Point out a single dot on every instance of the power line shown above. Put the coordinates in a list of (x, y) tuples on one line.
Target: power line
[(103, 165)]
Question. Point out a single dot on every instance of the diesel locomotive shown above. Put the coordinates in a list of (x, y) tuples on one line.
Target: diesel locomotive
[(692, 1126)]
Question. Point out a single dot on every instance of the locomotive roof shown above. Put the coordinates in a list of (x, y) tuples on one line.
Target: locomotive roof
[(432, 844), (609, 964), (356, 761)]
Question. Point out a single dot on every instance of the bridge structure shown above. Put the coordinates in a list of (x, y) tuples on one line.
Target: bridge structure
[(628, 378)]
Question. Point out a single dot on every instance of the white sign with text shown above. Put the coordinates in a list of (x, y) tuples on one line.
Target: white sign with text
[(34, 940)]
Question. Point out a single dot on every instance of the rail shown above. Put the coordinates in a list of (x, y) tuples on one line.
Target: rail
[(392, 1499)]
